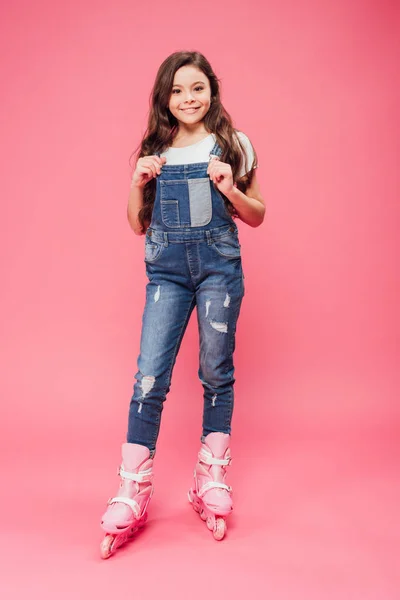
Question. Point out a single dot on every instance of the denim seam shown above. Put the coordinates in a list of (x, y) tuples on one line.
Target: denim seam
[(230, 346), (158, 423), (189, 267)]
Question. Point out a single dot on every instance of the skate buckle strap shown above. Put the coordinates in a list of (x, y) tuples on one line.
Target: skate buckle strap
[(209, 459), (213, 484), (139, 477), (132, 503)]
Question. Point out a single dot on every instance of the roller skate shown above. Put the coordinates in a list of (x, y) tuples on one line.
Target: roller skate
[(127, 511), (210, 496)]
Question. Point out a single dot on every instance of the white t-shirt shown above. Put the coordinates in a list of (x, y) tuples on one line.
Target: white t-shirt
[(199, 152)]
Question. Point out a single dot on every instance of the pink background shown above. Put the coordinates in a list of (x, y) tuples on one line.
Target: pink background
[(316, 425)]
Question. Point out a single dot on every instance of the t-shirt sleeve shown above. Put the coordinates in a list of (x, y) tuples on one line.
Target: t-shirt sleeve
[(249, 156)]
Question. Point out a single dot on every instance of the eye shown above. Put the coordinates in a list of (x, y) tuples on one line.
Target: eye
[(198, 88)]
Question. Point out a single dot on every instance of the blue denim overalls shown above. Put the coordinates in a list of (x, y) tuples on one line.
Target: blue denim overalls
[(192, 257)]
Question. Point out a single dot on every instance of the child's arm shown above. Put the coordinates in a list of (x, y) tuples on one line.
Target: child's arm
[(135, 203), (249, 205)]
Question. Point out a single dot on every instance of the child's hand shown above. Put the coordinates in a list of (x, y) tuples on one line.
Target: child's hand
[(147, 167), (221, 174)]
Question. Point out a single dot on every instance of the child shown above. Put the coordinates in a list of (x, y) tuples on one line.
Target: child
[(194, 175)]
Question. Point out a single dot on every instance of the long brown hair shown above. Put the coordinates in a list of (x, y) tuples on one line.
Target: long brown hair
[(162, 127)]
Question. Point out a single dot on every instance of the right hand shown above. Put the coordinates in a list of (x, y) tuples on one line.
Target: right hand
[(147, 167)]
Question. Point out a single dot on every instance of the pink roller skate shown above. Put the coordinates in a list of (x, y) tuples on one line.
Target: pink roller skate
[(210, 496), (127, 511)]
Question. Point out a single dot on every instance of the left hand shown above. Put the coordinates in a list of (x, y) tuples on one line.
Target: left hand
[(221, 174)]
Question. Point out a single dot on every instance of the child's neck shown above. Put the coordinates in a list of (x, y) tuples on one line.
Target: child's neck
[(186, 138)]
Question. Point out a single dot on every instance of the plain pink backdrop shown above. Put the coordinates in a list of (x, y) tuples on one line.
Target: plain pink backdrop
[(316, 424)]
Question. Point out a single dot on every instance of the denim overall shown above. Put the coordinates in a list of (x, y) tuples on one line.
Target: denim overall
[(193, 258)]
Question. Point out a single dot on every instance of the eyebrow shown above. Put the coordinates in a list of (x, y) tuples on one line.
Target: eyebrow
[(177, 84)]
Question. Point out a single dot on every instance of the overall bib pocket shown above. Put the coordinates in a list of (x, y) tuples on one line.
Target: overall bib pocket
[(152, 249), (227, 245), (186, 202)]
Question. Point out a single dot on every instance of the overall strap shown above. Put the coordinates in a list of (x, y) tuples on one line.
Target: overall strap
[(216, 150)]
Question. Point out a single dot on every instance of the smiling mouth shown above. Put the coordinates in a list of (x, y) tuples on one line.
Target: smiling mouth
[(191, 108)]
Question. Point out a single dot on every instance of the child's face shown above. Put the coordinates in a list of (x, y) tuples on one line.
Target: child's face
[(191, 90)]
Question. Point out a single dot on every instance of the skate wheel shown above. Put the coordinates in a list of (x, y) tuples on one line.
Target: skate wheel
[(219, 528), (203, 515), (210, 523), (106, 546)]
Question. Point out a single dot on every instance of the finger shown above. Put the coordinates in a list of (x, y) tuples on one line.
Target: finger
[(157, 166), (153, 169), (213, 171), (210, 168), (149, 160), (159, 162), (150, 169)]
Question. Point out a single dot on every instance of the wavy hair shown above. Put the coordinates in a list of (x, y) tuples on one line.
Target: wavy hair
[(162, 127)]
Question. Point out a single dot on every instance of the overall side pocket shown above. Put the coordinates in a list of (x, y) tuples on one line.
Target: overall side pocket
[(228, 245), (152, 249)]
